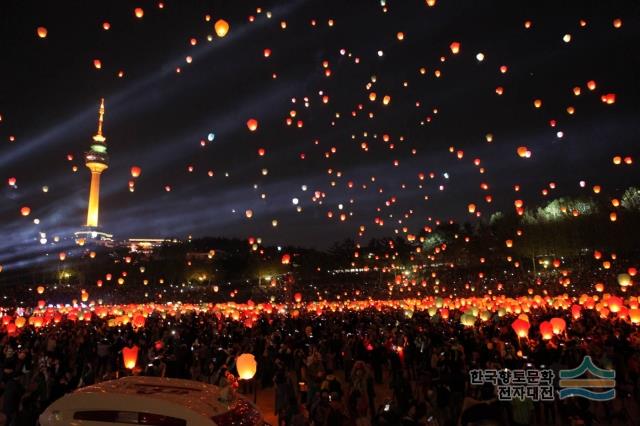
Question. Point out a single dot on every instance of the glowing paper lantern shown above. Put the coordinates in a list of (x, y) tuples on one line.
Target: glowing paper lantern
[(20, 322), (558, 325), (139, 12), (138, 321), (521, 327), (467, 320), (42, 32), (624, 280), (25, 211), (40, 289), (615, 304), (297, 297), (246, 365), (252, 124), (546, 330), (135, 171), (523, 152), (222, 27), (130, 357), (455, 47), (286, 259)]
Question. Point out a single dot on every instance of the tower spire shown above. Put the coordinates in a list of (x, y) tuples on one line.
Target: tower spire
[(98, 136)]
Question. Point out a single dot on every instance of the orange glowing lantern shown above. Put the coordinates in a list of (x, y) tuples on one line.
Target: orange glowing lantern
[(252, 124), (558, 325), (297, 297), (40, 289), (130, 357), (222, 27), (246, 365)]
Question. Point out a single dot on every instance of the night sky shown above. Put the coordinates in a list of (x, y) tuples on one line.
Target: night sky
[(157, 117)]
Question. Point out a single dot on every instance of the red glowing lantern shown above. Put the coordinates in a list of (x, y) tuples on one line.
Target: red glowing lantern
[(130, 357), (297, 297), (252, 124), (546, 330), (558, 325), (286, 259), (521, 327)]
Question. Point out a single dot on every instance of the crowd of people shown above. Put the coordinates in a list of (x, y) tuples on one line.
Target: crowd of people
[(333, 369)]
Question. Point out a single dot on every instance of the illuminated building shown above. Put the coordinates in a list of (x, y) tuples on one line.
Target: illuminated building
[(97, 161)]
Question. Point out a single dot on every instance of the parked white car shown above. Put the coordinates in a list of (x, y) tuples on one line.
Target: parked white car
[(150, 401)]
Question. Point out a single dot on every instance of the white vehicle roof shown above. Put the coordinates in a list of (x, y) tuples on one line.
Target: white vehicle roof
[(194, 402)]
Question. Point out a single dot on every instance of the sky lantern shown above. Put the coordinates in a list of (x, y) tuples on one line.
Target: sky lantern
[(617, 23), (106, 26), (25, 211), (20, 322), (84, 296), (576, 311), (130, 357), (297, 297), (135, 171), (386, 100), (400, 35), (252, 124), (537, 103), (558, 325), (222, 27), (632, 271), (286, 259), (139, 12), (591, 85), (97, 63), (523, 152), (455, 47), (267, 52), (42, 32), (246, 365), (615, 304), (471, 208), (248, 213), (62, 256), (521, 327), (624, 280), (138, 321), (40, 289), (613, 216), (546, 330), (609, 98), (634, 315)]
